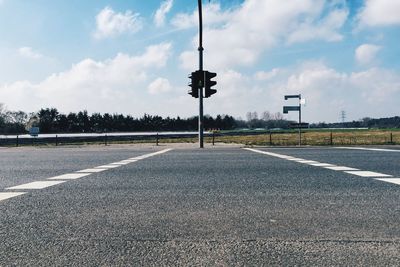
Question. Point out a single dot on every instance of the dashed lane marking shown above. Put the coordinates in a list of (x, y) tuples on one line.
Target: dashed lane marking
[(368, 174), (322, 165), (348, 170), (390, 180), (35, 185), (92, 170), (128, 161), (341, 168), (107, 166), (7, 195), (69, 176), (308, 161), (369, 149)]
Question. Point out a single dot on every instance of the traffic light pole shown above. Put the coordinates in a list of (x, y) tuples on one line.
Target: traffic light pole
[(201, 126)]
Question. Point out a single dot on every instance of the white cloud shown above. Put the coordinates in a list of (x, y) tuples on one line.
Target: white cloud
[(159, 17), (366, 53), (327, 29), (361, 94), (28, 52), (380, 13), (159, 85), (212, 14), (239, 36), (368, 93), (266, 75), (109, 23), (113, 85)]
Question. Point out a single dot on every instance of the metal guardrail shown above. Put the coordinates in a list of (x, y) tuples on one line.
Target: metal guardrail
[(280, 138), (106, 139)]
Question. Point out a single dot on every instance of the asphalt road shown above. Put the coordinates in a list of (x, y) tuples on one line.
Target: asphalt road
[(224, 206)]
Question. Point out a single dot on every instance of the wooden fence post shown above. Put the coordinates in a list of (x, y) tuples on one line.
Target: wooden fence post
[(270, 138), (331, 137), (17, 144), (157, 139)]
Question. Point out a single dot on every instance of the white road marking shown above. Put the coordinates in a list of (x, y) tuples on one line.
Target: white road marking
[(69, 176), (322, 165), (7, 195), (368, 174), (36, 185), (308, 161), (107, 166), (341, 168), (370, 149), (390, 180), (349, 170), (129, 160), (92, 170)]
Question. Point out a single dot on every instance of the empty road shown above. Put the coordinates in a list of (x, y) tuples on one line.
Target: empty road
[(171, 205)]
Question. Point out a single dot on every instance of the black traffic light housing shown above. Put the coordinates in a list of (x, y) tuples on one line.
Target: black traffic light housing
[(209, 83), (196, 82)]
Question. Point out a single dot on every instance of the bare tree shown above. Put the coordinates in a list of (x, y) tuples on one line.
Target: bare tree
[(2, 109), (255, 115), (278, 116), (249, 116), (266, 116)]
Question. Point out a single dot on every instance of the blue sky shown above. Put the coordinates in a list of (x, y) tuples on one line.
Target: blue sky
[(133, 57)]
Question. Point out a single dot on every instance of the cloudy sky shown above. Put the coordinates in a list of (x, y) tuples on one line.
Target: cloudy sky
[(133, 57)]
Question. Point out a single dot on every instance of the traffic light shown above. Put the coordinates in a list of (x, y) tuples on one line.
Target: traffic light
[(196, 82), (209, 83)]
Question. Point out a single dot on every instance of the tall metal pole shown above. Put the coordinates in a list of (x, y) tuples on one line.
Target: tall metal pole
[(299, 120), (201, 126)]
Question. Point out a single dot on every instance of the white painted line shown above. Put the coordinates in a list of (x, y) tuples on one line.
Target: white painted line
[(110, 166), (4, 196), (285, 157), (308, 161), (69, 176), (368, 174), (92, 170), (152, 154), (119, 163), (370, 149), (137, 158), (36, 185), (264, 152), (334, 167), (390, 180), (341, 168), (129, 160), (322, 165)]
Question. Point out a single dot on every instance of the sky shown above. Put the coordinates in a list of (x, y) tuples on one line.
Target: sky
[(134, 56)]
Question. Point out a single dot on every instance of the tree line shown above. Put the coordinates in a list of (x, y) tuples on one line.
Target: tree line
[(50, 120)]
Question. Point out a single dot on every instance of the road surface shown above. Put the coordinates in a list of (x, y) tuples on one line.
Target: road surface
[(148, 205)]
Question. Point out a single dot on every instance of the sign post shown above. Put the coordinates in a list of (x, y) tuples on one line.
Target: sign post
[(286, 110)]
